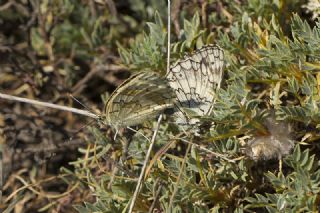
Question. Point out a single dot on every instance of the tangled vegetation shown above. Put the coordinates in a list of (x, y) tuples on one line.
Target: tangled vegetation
[(269, 100)]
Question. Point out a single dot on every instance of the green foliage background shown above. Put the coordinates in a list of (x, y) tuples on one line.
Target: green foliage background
[(272, 56)]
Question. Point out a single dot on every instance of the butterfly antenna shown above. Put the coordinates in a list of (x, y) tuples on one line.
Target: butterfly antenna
[(89, 110), (84, 106), (81, 128)]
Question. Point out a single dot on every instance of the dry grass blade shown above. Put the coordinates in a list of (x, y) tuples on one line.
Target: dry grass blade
[(179, 178), (153, 140), (50, 105)]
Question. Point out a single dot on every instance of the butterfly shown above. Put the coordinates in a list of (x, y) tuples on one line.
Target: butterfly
[(143, 96), (189, 87), (195, 78)]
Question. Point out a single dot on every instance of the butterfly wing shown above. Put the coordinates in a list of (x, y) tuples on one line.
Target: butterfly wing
[(141, 97), (195, 79)]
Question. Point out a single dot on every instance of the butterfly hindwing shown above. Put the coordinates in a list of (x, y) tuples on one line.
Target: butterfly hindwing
[(141, 97), (195, 79)]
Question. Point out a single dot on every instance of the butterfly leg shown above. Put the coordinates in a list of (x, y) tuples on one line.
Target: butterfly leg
[(115, 136), (133, 130)]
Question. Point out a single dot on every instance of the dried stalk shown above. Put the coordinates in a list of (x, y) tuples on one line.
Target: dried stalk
[(50, 105)]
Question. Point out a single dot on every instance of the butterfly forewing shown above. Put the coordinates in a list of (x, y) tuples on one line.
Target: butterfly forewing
[(195, 80), (141, 97)]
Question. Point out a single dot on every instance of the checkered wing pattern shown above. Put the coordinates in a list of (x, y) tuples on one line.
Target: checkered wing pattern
[(195, 79)]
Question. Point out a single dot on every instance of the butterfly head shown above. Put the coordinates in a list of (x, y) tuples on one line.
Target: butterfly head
[(102, 119)]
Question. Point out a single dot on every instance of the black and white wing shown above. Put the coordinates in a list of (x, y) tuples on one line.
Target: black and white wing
[(195, 79)]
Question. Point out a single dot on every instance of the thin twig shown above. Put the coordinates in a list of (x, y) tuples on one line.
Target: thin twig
[(156, 198), (207, 150), (169, 32), (6, 5), (112, 177), (82, 83), (153, 140), (50, 105), (1, 171), (179, 177), (112, 7), (176, 4), (26, 185)]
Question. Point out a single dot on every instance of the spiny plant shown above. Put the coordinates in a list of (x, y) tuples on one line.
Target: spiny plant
[(268, 74), (272, 68)]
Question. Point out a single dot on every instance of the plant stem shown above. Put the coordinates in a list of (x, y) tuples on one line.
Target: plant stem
[(50, 105)]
